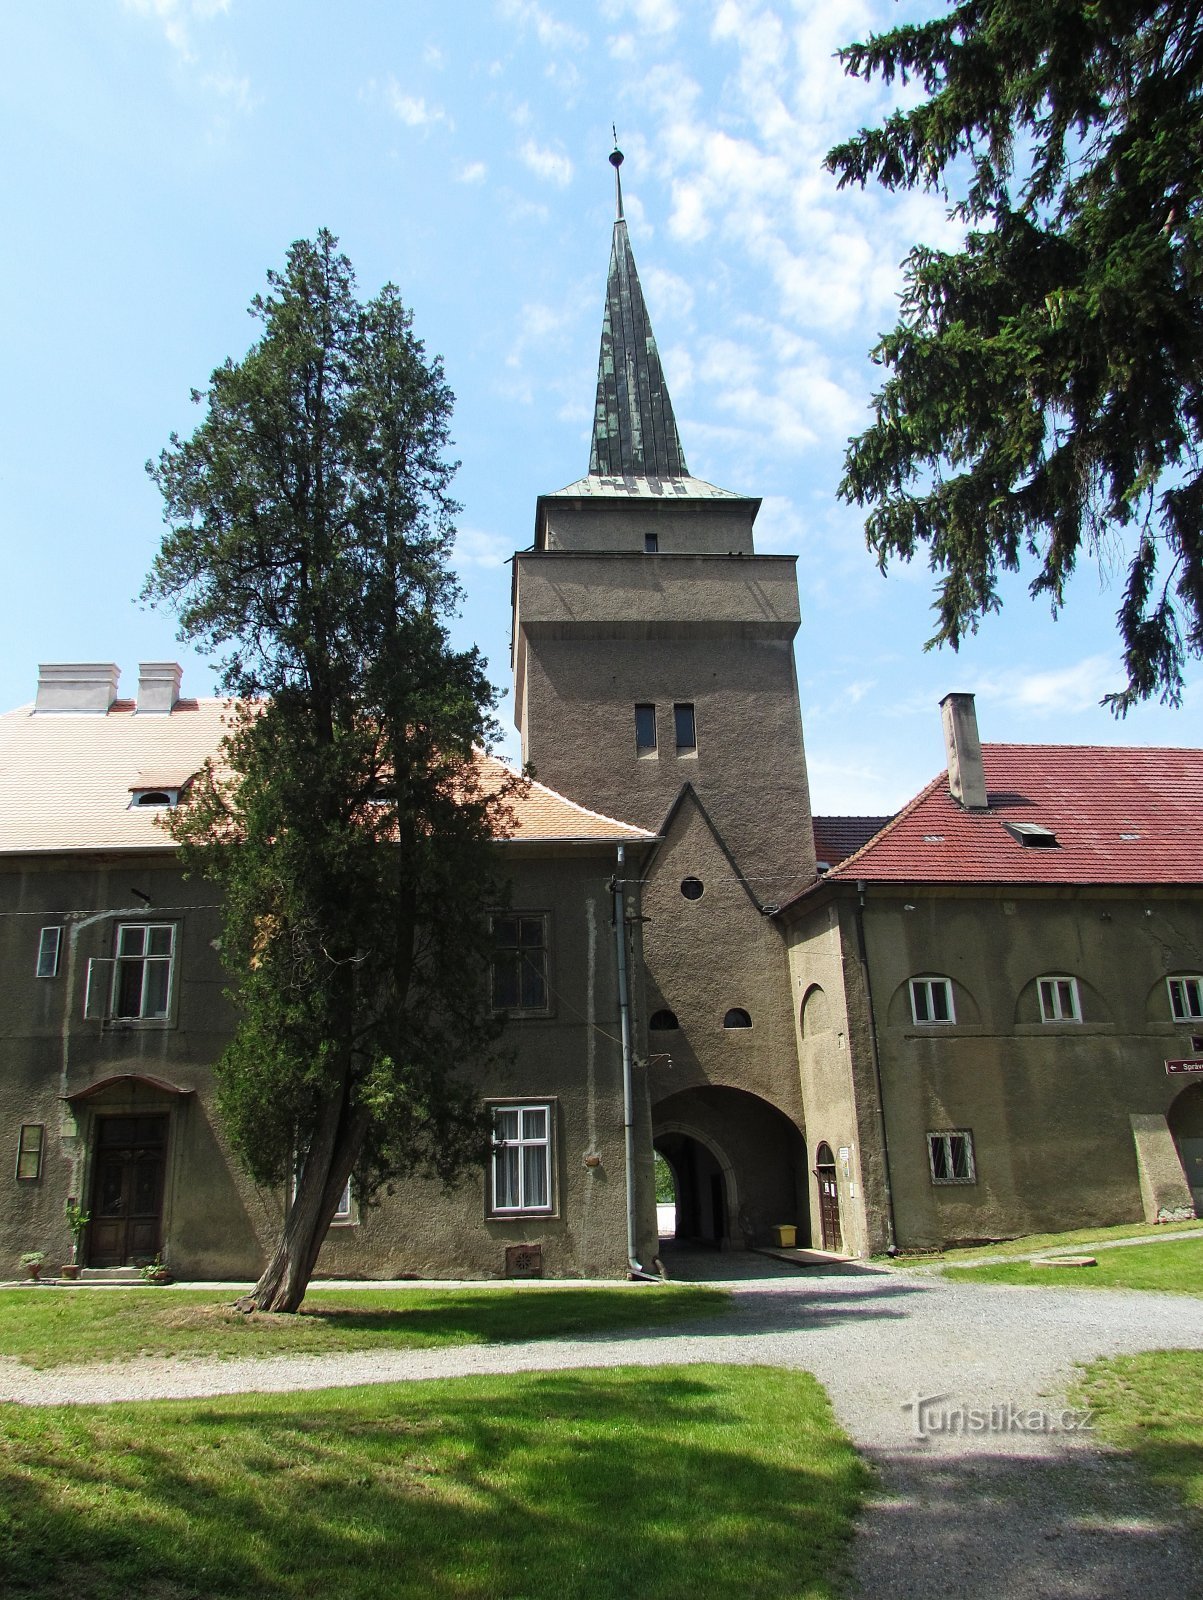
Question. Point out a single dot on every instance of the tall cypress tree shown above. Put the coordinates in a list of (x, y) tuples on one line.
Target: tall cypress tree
[(309, 526)]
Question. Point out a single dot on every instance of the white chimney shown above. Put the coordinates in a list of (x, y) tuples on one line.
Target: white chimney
[(966, 773), (77, 686), (158, 685)]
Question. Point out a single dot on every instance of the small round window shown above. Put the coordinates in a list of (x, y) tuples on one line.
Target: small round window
[(692, 888), (662, 1021), (737, 1017)]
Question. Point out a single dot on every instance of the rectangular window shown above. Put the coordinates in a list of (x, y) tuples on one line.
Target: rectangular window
[(29, 1152), (950, 1156), (931, 1000), (1186, 999), (48, 949), (521, 1169), (651, 544), (342, 1211), (685, 729), (645, 730), (1059, 1000), (520, 963), (142, 978)]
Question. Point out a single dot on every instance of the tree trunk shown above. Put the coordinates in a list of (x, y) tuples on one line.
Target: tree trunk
[(331, 1158)]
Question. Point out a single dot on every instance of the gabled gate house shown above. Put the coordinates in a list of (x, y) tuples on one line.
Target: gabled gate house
[(978, 1018)]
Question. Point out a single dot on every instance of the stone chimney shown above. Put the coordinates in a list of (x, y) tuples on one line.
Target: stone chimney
[(158, 686), (966, 773), (77, 686)]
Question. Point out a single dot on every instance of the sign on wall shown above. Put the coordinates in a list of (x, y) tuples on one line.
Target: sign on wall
[(1192, 1064)]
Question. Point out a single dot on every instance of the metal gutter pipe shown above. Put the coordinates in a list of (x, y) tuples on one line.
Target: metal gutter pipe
[(628, 1088)]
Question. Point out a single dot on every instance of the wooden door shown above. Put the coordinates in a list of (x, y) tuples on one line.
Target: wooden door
[(129, 1164), (829, 1201)]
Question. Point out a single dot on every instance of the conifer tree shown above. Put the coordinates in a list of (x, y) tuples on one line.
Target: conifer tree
[(1044, 397), (309, 528)]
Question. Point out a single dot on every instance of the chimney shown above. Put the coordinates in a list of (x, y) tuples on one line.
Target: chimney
[(966, 773), (158, 686), (77, 686)]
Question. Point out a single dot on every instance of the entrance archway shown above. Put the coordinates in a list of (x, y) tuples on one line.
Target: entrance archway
[(1185, 1121), (829, 1200), (704, 1186)]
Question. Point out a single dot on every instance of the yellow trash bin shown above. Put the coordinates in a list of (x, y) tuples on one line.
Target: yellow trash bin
[(787, 1236)]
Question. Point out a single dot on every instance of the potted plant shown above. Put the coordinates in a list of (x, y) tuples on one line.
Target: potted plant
[(156, 1271), (77, 1221), (32, 1262)]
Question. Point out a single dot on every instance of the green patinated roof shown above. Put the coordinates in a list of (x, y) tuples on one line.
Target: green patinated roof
[(634, 429)]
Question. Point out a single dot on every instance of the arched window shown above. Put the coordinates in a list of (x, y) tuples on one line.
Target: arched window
[(737, 1017), (662, 1021)]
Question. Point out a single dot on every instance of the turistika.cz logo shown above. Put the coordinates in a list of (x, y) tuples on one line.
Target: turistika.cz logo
[(940, 1414)]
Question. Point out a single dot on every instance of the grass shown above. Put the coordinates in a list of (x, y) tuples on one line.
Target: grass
[(54, 1327), (666, 1482), (1174, 1266), (1042, 1241), (1149, 1405)]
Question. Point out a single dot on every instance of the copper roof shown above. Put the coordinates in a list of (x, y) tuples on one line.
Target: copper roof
[(1132, 816), (66, 780)]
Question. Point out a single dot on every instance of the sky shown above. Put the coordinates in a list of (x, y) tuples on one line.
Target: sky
[(163, 154)]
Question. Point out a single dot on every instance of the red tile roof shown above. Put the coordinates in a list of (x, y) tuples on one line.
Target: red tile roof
[(1119, 816), (837, 837)]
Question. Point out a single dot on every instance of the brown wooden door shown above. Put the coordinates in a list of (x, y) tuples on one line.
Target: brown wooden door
[(829, 1201), (127, 1191)]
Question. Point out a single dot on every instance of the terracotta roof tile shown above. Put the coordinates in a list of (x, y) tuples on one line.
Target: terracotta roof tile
[(1119, 816), (837, 837)]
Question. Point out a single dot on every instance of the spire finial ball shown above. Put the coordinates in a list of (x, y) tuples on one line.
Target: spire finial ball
[(616, 157)]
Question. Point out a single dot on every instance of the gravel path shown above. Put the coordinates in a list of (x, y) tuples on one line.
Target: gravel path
[(1006, 1511)]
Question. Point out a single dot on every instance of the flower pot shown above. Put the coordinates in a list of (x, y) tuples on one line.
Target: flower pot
[(32, 1268), (69, 1270)]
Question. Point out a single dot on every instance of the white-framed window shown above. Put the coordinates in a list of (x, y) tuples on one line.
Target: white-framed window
[(344, 1211), (519, 980), (931, 1001), (30, 1144), (1186, 999), (143, 972), (49, 944), (950, 1156), (521, 1167), (1059, 1000)]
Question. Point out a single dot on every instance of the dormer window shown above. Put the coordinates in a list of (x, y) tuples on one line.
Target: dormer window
[(164, 789), (1033, 834), (154, 797)]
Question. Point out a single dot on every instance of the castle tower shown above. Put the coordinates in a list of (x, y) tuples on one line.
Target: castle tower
[(654, 681)]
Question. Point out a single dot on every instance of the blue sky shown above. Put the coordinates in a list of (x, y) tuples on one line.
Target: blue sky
[(162, 154)]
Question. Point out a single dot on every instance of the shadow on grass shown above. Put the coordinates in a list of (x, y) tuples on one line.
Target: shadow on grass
[(667, 1483)]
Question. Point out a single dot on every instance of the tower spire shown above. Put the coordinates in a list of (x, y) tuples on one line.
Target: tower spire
[(634, 429)]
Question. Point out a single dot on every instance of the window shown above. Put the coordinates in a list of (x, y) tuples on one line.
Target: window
[(1032, 834), (645, 730), (737, 1017), (662, 1021), (931, 1000), (651, 544), (692, 888), (521, 1168), (950, 1156), (29, 1152), (520, 963), (342, 1211), (1059, 1000), (48, 948), (1186, 999), (685, 729), (142, 981)]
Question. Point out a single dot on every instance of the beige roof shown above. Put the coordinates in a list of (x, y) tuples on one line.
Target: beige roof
[(66, 780)]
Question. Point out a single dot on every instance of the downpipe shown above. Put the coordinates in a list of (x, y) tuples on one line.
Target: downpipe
[(636, 1269)]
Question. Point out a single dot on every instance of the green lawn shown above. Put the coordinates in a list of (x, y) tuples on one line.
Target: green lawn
[(1174, 1266), (53, 1327), (667, 1482), (1151, 1405), (1042, 1241)]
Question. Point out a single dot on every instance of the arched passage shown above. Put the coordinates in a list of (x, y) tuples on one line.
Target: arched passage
[(739, 1166), (1186, 1124)]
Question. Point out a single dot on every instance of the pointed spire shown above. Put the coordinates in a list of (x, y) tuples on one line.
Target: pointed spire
[(634, 429)]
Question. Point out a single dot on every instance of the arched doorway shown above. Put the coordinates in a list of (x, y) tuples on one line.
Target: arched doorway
[(829, 1200), (1186, 1124), (702, 1192)]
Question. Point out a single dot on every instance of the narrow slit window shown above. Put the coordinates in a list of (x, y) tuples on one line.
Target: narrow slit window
[(29, 1152), (685, 729), (645, 730), (651, 544), (49, 945)]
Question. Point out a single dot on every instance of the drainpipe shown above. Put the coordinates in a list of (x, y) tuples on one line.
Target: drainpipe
[(863, 953), (637, 1269)]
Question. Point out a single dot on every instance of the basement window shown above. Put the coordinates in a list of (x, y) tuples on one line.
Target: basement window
[(1033, 834)]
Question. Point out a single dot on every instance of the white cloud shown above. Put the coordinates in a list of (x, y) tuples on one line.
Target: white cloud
[(551, 33), (432, 56), (1055, 692), (175, 18), (233, 88), (552, 166), (659, 17), (472, 172), (474, 547), (413, 110)]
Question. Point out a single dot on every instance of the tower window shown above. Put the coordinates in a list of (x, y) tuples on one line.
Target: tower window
[(651, 544), (686, 731), (662, 1021), (645, 730), (737, 1017), (692, 888)]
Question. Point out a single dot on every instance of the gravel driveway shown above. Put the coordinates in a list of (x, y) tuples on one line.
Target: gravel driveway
[(1029, 1515)]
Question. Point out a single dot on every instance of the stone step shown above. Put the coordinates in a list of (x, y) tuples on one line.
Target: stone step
[(110, 1275)]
